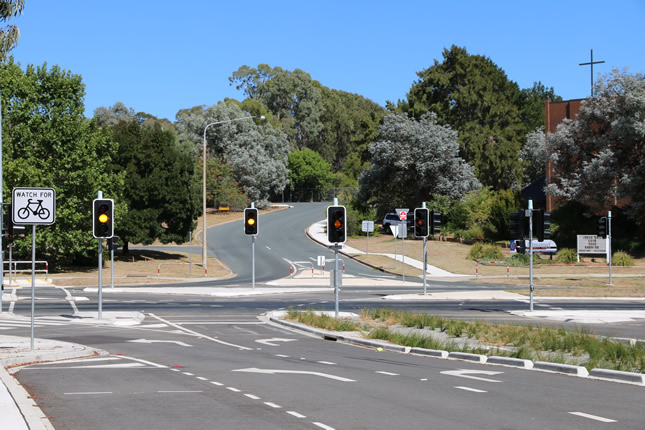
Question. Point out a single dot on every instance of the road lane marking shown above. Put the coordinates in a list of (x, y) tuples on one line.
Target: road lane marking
[(233, 389), (201, 378), (271, 341), (474, 390), (386, 373), (186, 330), (296, 414), (189, 374), (183, 391), (88, 393), (159, 341), (219, 384), (323, 426), (295, 372), (465, 373), (593, 417), (331, 363), (252, 396), (273, 405)]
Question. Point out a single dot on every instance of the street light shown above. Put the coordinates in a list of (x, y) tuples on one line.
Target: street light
[(204, 248)]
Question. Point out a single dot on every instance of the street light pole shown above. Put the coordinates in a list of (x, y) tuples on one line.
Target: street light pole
[(204, 247)]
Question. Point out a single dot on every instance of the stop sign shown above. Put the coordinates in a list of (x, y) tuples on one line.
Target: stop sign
[(403, 216)]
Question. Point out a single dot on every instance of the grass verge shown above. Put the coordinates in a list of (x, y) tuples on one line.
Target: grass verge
[(580, 347)]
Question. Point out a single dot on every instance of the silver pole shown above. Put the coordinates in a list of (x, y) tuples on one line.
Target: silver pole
[(33, 281), (336, 278), (403, 250), (190, 254), (531, 252), (253, 260), (1, 212), (425, 263), (111, 263), (609, 244), (100, 196)]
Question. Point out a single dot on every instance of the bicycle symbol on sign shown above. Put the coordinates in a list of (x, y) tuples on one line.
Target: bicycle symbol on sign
[(36, 208)]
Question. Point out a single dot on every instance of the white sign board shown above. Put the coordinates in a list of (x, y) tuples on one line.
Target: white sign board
[(368, 226), (321, 260), (400, 230), (402, 213), (33, 206), (591, 244)]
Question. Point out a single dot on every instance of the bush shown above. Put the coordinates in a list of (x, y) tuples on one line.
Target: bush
[(485, 251), (621, 258), (567, 255)]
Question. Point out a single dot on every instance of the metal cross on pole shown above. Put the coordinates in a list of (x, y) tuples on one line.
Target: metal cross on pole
[(591, 63)]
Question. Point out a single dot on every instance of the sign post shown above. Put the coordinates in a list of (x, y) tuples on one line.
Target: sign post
[(403, 216), (368, 226), (33, 206)]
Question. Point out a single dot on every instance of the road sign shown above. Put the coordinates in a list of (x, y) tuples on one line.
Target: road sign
[(368, 226), (33, 206), (403, 216), (400, 211)]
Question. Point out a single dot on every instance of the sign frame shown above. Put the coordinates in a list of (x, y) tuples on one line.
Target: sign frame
[(23, 211)]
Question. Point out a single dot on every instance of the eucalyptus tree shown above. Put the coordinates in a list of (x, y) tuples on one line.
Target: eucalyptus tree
[(256, 152), (9, 34), (598, 158), (412, 161)]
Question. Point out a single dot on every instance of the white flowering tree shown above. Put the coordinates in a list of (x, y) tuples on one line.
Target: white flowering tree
[(414, 160), (256, 152), (601, 155)]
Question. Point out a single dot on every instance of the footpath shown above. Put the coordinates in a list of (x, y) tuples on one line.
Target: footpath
[(19, 411)]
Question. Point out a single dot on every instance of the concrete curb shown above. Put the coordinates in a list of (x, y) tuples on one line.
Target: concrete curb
[(579, 371), (561, 368), (27, 414), (634, 378), (509, 361), (478, 358)]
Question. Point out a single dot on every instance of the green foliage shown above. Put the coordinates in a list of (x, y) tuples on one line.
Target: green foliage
[(567, 255), (9, 34), (47, 142), (621, 258), (308, 173), (485, 251), (522, 259), (159, 191), (323, 321), (222, 190), (475, 97)]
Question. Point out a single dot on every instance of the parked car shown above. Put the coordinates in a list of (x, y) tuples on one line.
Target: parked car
[(393, 218)]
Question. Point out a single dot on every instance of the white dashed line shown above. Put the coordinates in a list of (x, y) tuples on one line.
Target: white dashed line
[(282, 356), (235, 390), (296, 414), (189, 374), (201, 378), (219, 384), (474, 390), (170, 391), (323, 426), (593, 417), (273, 405), (331, 363), (386, 373), (89, 393), (252, 396)]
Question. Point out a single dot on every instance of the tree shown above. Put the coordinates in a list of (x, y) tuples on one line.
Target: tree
[(532, 104), (534, 155), (599, 157), (9, 34), (48, 142), (412, 161), (474, 96), (292, 97), (160, 192), (309, 173), (256, 153)]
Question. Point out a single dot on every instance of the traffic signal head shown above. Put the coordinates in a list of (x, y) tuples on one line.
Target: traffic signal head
[(435, 222), (250, 221), (517, 225), (103, 218), (336, 224), (602, 227), (541, 224), (520, 246), (421, 221)]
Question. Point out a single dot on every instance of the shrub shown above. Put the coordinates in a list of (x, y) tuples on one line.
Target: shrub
[(621, 258), (486, 251), (567, 255)]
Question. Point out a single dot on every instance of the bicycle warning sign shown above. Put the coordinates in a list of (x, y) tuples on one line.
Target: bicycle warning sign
[(33, 206)]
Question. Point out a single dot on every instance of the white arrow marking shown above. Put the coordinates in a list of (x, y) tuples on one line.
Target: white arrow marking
[(274, 339), (298, 372), (160, 341), (464, 373)]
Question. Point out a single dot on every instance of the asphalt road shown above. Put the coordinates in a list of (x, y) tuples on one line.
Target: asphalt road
[(204, 362)]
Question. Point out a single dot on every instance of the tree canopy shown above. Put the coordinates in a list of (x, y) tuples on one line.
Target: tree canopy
[(412, 161), (599, 157), (308, 173), (48, 142), (9, 34)]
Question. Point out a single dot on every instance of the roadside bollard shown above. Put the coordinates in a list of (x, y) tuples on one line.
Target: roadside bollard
[(477, 270), (507, 272)]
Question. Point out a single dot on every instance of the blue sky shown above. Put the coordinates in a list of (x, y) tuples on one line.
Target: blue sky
[(162, 56)]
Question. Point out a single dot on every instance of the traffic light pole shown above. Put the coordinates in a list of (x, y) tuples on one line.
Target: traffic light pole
[(530, 211), (609, 244), (33, 281), (253, 261), (100, 196), (336, 294)]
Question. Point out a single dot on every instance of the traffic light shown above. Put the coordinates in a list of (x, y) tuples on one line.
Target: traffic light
[(250, 221), (520, 246), (602, 227), (421, 221), (517, 225), (435, 222), (541, 224), (113, 243), (103, 218), (336, 224)]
